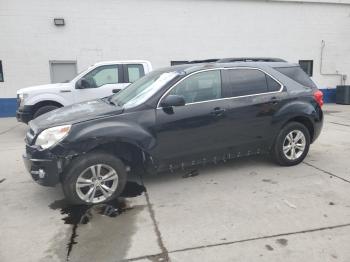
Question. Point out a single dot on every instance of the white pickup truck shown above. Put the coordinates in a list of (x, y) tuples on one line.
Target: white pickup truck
[(100, 80)]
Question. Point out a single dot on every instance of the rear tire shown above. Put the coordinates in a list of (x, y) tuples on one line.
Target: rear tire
[(291, 145), (101, 174), (43, 110)]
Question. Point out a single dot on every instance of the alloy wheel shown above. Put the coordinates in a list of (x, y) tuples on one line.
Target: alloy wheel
[(97, 183), (294, 145)]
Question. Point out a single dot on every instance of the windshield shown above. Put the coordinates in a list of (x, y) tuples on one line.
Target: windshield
[(141, 90)]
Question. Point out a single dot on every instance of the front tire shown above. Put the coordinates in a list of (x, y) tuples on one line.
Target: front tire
[(292, 144), (94, 178), (43, 110)]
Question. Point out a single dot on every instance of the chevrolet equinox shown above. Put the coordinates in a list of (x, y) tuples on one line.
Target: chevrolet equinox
[(172, 118)]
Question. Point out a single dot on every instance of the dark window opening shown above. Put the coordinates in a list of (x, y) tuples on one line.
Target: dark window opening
[(174, 63), (1, 73), (307, 66)]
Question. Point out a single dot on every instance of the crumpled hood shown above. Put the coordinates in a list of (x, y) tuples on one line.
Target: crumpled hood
[(74, 113)]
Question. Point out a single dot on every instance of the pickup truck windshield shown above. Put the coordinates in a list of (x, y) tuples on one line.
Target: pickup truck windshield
[(141, 90)]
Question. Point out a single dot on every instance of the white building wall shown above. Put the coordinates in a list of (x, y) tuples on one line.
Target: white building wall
[(161, 31)]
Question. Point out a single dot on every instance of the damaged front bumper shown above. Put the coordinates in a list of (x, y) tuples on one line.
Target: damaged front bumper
[(42, 165)]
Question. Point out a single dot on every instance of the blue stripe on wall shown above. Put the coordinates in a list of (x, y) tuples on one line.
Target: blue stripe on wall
[(8, 107)]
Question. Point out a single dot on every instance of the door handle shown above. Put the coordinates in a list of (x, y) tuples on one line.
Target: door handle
[(218, 111), (114, 91), (273, 100)]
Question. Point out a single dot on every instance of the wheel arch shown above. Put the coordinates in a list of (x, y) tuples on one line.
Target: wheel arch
[(46, 103), (128, 152), (306, 121)]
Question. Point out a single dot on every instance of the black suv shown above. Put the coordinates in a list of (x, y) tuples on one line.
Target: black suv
[(176, 117)]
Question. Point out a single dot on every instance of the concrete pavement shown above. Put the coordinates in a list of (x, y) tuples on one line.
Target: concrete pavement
[(244, 210)]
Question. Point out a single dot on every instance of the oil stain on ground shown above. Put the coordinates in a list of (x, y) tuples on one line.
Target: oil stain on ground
[(76, 215), (282, 241), (2, 180)]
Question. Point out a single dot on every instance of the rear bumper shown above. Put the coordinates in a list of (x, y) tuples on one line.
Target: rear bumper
[(318, 124), (42, 166), (25, 114)]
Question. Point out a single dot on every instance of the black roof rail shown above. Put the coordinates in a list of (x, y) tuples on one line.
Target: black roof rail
[(250, 59), (211, 60)]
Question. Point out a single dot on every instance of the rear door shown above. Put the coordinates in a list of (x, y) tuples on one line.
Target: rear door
[(255, 97)]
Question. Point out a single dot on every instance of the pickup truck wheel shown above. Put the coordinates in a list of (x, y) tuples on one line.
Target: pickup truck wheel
[(292, 144), (94, 178), (43, 110)]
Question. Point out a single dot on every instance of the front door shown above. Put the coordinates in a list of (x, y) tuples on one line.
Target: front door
[(190, 133), (102, 81)]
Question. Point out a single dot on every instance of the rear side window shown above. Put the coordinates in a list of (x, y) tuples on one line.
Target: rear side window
[(241, 82), (134, 72), (298, 75)]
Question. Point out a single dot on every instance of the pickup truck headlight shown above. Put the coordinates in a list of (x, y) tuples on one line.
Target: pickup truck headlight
[(21, 97), (52, 136)]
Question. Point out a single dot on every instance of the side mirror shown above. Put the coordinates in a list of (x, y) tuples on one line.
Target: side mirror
[(82, 83), (173, 100)]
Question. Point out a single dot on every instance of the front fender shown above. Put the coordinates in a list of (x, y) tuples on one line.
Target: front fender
[(85, 137), (32, 100)]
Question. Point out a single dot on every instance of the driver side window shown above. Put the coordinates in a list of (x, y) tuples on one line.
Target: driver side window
[(103, 75), (199, 87)]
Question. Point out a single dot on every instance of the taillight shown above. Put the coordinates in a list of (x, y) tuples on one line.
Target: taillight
[(318, 95)]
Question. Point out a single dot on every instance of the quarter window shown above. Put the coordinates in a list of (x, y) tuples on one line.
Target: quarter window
[(199, 87), (103, 75), (241, 82), (272, 84), (298, 75), (134, 72)]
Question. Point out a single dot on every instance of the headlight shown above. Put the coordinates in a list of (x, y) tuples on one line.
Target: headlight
[(51, 136), (21, 97)]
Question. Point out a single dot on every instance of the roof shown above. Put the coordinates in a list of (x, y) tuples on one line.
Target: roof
[(250, 59), (190, 68), (120, 62)]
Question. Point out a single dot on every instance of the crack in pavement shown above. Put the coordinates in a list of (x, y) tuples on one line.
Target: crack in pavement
[(244, 240), (263, 237), (326, 172), (164, 256), (336, 123), (9, 129), (2, 180)]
